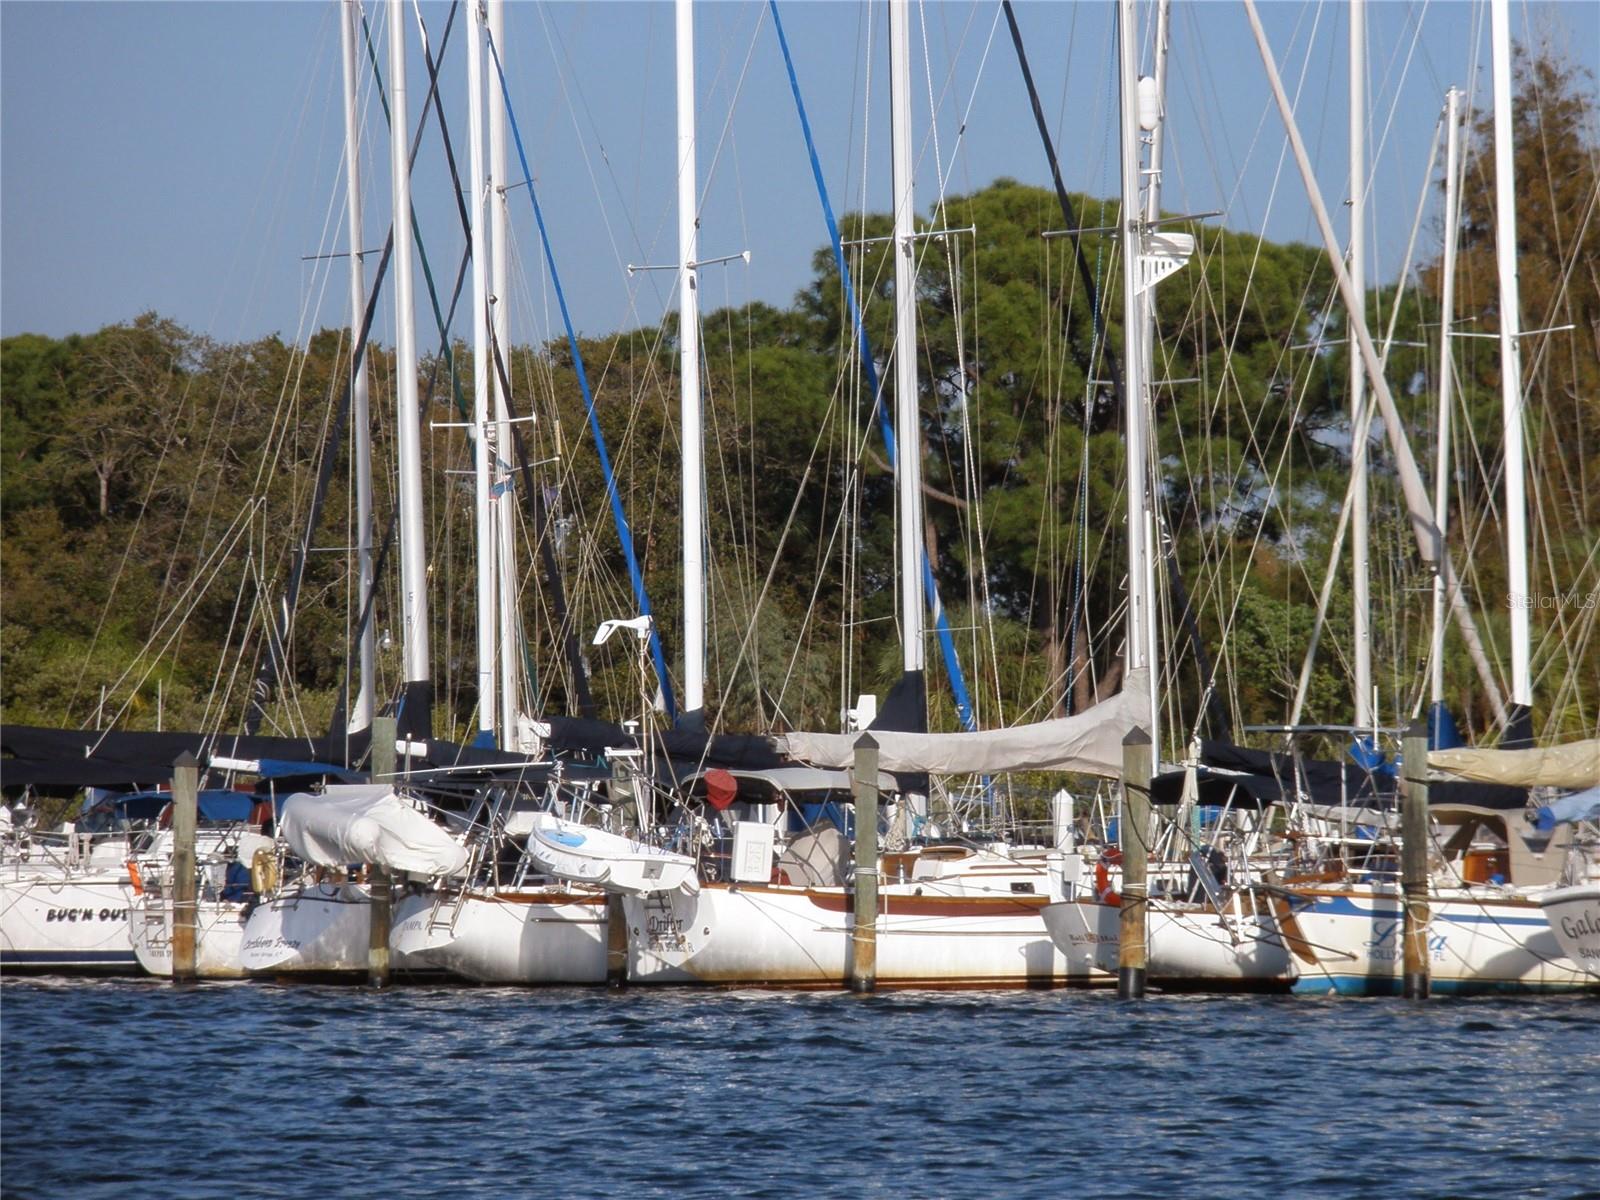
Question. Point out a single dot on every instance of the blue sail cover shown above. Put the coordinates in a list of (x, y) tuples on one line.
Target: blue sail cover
[(1580, 806), (214, 804), (1370, 758), (1442, 731)]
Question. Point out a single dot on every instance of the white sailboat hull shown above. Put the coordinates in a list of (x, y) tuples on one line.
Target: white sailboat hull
[(55, 919), (320, 929), (1197, 949), (219, 933), (533, 936), (786, 936), (65, 908), (1477, 941), (1574, 917)]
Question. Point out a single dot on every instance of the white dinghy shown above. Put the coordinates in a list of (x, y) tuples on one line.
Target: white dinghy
[(584, 854)]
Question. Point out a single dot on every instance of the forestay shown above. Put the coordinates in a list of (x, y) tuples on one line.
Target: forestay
[(368, 823), (1089, 743)]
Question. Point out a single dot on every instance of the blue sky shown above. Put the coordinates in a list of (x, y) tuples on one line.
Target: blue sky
[(186, 157)]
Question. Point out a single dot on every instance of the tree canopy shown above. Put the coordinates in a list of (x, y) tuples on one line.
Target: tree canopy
[(157, 484)]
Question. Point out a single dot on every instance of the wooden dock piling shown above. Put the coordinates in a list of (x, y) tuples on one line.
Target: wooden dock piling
[(1414, 833), (864, 942), (185, 876), (616, 942), (1138, 762), (379, 883)]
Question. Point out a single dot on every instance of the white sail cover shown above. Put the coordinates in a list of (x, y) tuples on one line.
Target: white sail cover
[(368, 823), (1573, 765), (1087, 744)]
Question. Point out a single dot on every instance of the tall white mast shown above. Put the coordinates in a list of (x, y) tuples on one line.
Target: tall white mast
[(1152, 114), (500, 309), (1141, 635), (1447, 302), (413, 560), (361, 705), (692, 487), (482, 371), (1511, 365), (1360, 419), (907, 422), (1418, 505), (1156, 122)]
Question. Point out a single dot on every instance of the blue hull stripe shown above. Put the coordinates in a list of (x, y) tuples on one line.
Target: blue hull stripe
[(1389, 985), (1344, 906)]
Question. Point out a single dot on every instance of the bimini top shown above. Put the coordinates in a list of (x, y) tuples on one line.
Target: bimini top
[(368, 823)]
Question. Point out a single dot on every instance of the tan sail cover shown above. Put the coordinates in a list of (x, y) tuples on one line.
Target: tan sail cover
[(1575, 765), (1087, 744)]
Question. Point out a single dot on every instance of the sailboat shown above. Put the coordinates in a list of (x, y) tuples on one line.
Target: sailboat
[(777, 905), (507, 919), (66, 896), (1201, 930), (1572, 906), (320, 923), (1484, 931), (228, 878)]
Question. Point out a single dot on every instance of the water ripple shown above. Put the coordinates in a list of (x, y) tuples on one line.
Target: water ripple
[(282, 1091)]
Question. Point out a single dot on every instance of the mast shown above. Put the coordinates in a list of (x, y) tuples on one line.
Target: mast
[(1418, 506), (1141, 634), (1447, 301), (417, 718), (907, 422), (482, 372), (361, 707), (1151, 110), (500, 317), (1360, 419), (1156, 122), (1519, 727), (692, 487)]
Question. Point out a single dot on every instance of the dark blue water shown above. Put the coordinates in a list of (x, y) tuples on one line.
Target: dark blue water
[(140, 1089)]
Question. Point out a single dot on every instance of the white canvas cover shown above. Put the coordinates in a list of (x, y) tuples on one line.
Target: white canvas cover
[(1087, 744), (368, 823), (1573, 765)]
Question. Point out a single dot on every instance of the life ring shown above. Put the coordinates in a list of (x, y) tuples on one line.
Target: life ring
[(1102, 878), (263, 872)]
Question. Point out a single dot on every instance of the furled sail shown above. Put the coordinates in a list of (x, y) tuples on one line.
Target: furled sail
[(368, 823), (1089, 743), (1573, 765)]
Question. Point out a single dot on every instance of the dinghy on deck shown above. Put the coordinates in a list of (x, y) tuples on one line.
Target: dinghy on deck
[(584, 854)]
